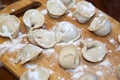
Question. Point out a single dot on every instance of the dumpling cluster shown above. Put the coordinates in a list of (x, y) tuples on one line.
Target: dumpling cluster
[(9, 25)]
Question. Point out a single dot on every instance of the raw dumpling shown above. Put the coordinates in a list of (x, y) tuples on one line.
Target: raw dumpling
[(100, 25), (93, 51), (42, 37), (28, 53), (56, 8), (9, 25), (69, 3), (69, 57), (84, 11), (36, 74), (88, 76), (66, 31), (33, 19), (118, 71)]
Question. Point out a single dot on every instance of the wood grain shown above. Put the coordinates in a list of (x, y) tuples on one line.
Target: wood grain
[(45, 61)]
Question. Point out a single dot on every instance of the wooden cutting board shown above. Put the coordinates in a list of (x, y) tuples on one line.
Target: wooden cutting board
[(105, 70)]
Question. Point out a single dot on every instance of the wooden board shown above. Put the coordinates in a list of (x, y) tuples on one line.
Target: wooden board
[(105, 70)]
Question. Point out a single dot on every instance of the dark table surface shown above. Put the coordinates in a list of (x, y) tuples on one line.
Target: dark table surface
[(111, 7)]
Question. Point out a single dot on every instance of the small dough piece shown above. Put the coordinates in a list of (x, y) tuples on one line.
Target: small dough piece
[(36, 74), (42, 37), (88, 76), (9, 25), (69, 57), (69, 3), (119, 38), (100, 25), (33, 19), (84, 11), (56, 8), (28, 53), (93, 51), (66, 31), (118, 71)]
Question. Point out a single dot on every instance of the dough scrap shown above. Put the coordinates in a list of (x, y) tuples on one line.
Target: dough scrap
[(100, 25), (28, 53), (66, 31), (84, 11), (33, 19), (36, 74), (93, 51), (9, 25), (69, 57), (42, 38)]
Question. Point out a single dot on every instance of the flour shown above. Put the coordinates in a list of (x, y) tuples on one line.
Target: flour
[(44, 11), (49, 51), (70, 14), (31, 66), (99, 73), (1, 64), (105, 63)]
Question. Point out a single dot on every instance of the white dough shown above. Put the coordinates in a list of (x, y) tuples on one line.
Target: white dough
[(93, 51), (42, 37), (88, 76), (33, 19), (56, 8), (66, 31), (28, 53), (69, 57), (36, 74), (100, 25), (84, 11), (9, 25), (69, 3)]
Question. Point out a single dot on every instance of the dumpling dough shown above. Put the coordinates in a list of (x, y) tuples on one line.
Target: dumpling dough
[(33, 19), (66, 31), (118, 71), (28, 53), (101, 26), (56, 8), (69, 57), (36, 74), (69, 3), (84, 11), (42, 37), (9, 25), (88, 76), (93, 51)]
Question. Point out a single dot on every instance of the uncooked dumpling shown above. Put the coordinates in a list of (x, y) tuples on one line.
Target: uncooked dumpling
[(66, 31), (69, 3), (118, 71), (33, 19), (69, 57), (36, 74), (101, 26), (84, 11), (88, 76), (42, 37), (9, 25), (56, 8), (28, 53), (93, 51)]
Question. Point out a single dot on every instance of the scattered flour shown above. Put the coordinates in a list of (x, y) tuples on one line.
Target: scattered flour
[(49, 51), (1, 64), (70, 14), (44, 11), (60, 78), (105, 63), (31, 66), (52, 64), (99, 73), (112, 41), (12, 10), (12, 60), (118, 48)]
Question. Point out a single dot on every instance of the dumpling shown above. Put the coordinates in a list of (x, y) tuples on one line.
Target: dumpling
[(66, 31), (88, 76), (84, 11), (93, 51), (56, 8), (69, 3), (69, 57), (36, 74), (100, 25), (42, 37), (33, 19), (118, 71), (9, 25), (28, 53)]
